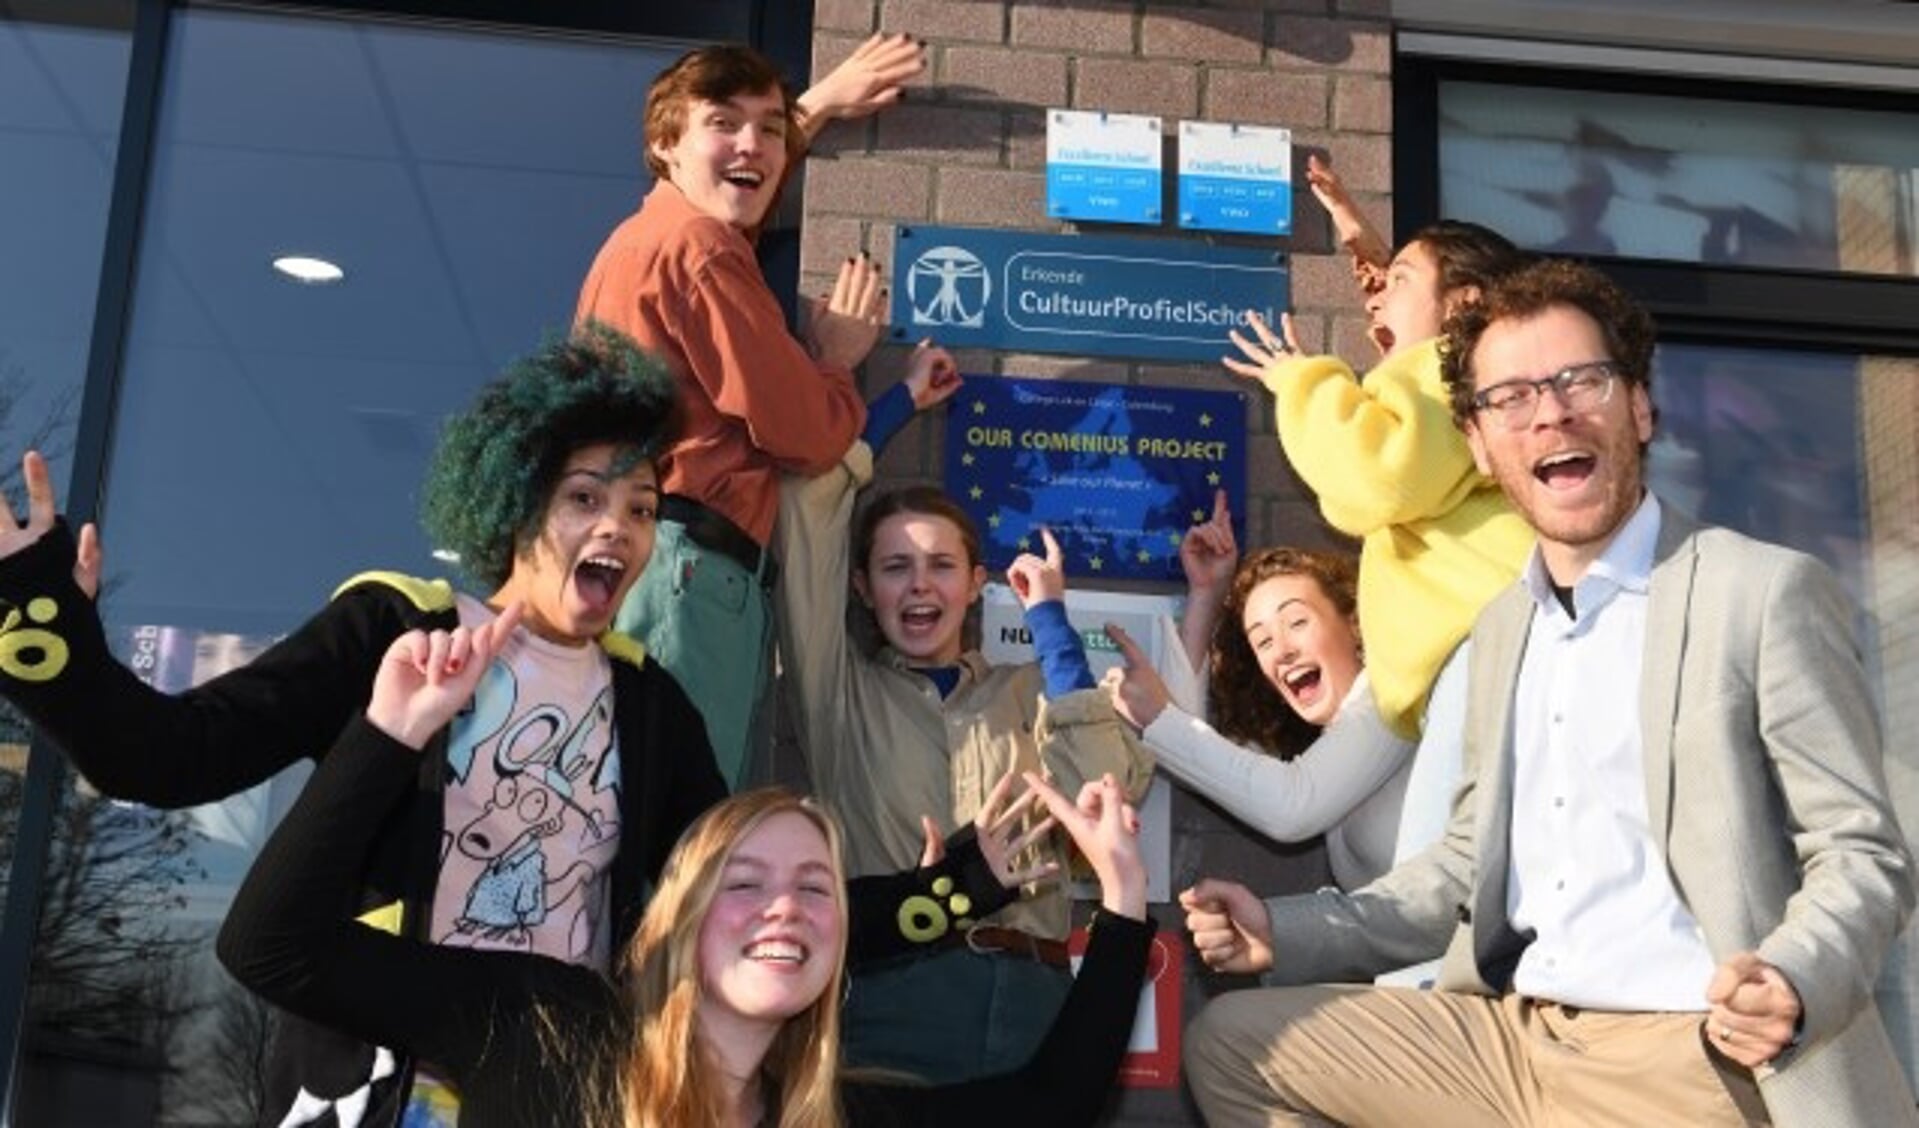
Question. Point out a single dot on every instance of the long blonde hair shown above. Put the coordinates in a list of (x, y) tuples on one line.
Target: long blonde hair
[(665, 1081)]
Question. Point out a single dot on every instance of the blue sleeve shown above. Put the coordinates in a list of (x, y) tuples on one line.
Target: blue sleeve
[(886, 415), (1062, 656)]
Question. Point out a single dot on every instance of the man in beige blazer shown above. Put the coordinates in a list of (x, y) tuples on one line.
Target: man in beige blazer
[(1671, 870)]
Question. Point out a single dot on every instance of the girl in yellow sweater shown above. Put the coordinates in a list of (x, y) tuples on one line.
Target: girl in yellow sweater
[(1388, 464)]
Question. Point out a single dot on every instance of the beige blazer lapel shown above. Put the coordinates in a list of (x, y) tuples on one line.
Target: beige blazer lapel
[(1499, 645), (1668, 599)]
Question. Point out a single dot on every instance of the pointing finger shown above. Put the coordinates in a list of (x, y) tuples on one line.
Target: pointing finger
[(1054, 556), (1129, 650)]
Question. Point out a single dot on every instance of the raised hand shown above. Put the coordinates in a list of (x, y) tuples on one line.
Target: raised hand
[(1231, 931), (1755, 1010), (932, 376), (847, 323), (1209, 553), (1105, 827), (1035, 580), (1139, 694), (870, 79), (1349, 223), (1268, 351), (1002, 835), (426, 677), (42, 507)]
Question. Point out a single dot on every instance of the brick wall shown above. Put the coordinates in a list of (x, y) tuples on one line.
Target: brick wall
[(968, 148)]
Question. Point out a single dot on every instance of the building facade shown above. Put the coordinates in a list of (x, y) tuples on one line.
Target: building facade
[(248, 439)]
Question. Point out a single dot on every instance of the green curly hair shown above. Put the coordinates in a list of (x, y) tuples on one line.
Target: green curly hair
[(494, 470)]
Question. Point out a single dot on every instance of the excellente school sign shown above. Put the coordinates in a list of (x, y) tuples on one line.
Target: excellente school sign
[(1098, 296)]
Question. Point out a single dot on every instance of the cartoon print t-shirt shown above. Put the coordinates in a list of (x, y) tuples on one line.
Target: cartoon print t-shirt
[(532, 818), (532, 803)]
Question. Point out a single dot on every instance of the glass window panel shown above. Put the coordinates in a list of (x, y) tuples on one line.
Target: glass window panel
[(271, 437), (1769, 443), (463, 181), (1685, 179), (63, 76), (61, 87), (1820, 452)]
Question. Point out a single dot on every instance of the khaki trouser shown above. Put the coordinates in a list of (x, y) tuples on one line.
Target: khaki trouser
[(1436, 1059)]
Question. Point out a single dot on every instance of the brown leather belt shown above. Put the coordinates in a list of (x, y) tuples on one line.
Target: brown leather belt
[(715, 532), (989, 940)]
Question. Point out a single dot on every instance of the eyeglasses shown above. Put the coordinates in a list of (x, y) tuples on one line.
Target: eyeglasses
[(1581, 387)]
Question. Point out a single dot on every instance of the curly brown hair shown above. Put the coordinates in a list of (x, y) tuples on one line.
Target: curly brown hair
[(1530, 291), (1245, 706)]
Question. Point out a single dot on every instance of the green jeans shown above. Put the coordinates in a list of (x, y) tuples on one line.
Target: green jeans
[(710, 624), (951, 1016)]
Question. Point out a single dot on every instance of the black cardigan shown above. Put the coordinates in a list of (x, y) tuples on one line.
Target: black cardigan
[(134, 742), (478, 1015)]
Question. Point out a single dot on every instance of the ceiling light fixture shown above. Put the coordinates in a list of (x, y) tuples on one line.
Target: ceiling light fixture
[(309, 270)]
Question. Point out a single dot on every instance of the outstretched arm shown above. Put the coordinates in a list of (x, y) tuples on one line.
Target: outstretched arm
[(1080, 736), (1383, 453), (931, 379), (290, 937), (1208, 554), (1068, 1079), (1370, 250), (813, 538), (962, 879), (1040, 584), (872, 78), (134, 742), (43, 514), (1285, 800)]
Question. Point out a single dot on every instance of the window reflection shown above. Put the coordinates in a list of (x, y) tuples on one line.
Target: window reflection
[(270, 436), (1685, 179), (1766, 442), (87, 1048), (61, 85), (1819, 452), (275, 432)]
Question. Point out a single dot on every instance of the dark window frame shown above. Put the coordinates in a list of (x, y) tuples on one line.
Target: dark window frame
[(1705, 303)]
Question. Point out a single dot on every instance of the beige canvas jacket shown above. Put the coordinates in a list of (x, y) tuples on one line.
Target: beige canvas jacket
[(881, 745)]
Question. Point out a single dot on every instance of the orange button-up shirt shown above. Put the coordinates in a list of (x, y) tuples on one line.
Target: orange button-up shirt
[(687, 287)]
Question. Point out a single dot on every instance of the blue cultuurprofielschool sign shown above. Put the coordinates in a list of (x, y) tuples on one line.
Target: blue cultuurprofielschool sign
[(1145, 298), (1118, 472)]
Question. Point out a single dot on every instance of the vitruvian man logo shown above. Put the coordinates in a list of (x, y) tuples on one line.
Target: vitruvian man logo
[(949, 286)]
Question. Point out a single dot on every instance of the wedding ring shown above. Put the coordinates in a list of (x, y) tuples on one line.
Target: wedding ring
[(1725, 1034)]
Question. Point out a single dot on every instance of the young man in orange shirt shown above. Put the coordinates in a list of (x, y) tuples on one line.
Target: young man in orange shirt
[(681, 278)]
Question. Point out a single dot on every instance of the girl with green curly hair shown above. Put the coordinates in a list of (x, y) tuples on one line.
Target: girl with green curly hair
[(538, 816), (492, 477)]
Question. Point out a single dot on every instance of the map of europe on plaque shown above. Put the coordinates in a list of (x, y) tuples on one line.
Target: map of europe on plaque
[(1118, 472)]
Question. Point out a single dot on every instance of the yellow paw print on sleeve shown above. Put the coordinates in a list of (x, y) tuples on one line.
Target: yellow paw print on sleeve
[(924, 919), (27, 652)]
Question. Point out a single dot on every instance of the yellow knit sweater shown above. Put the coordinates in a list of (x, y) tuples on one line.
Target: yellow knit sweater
[(1390, 467)]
